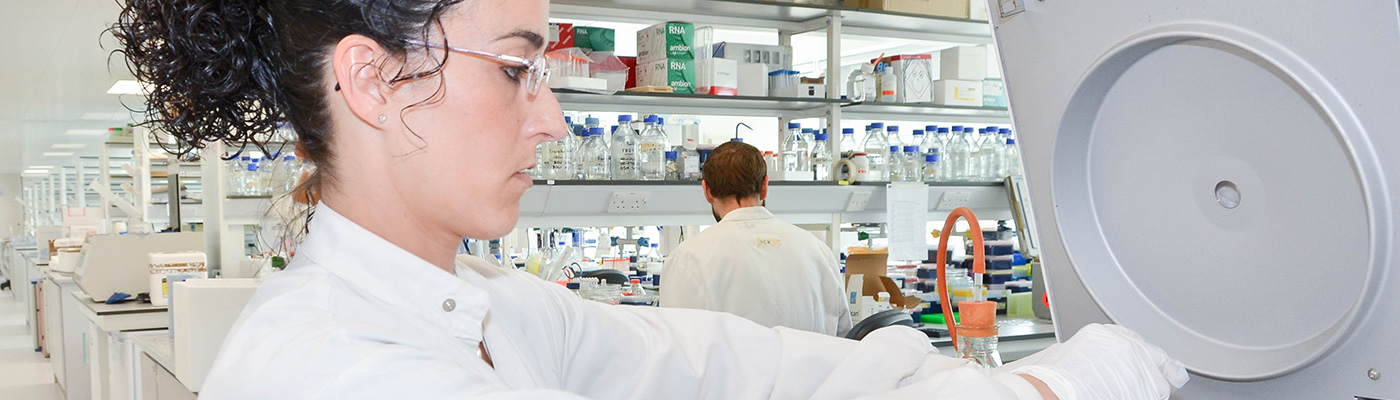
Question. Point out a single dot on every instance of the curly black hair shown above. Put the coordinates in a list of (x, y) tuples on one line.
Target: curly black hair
[(232, 71)]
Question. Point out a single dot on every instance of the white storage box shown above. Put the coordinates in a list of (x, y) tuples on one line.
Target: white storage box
[(753, 79), (802, 90), (949, 92), (914, 73), (774, 57), (717, 76), (967, 63), (202, 311)]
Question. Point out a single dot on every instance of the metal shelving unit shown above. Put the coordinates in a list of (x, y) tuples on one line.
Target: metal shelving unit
[(897, 111), (698, 104)]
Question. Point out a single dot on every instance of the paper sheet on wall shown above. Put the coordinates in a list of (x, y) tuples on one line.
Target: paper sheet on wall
[(906, 205)]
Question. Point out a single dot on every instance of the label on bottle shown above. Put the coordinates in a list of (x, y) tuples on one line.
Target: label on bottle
[(692, 165)]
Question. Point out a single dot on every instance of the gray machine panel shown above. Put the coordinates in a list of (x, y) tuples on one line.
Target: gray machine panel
[(1219, 176)]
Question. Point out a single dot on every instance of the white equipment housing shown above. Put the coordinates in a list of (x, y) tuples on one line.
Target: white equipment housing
[(1220, 176)]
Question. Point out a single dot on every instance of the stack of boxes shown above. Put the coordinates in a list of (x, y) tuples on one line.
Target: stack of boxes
[(962, 71), (666, 57)]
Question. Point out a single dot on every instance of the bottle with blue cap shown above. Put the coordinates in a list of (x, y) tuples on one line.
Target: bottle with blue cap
[(1010, 156), (822, 157), (849, 145), (673, 167), (913, 165), (595, 156), (651, 151), (892, 136), (932, 171), (896, 164), (932, 142), (795, 151), (624, 149), (989, 156), (877, 150), (959, 156)]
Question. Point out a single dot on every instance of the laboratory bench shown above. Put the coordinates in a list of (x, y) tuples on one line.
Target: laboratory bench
[(153, 377), (113, 354)]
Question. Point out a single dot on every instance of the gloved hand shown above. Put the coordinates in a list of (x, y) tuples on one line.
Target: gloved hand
[(1104, 362)]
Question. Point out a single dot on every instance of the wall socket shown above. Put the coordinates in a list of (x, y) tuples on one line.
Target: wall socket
[(952, 200), (628, 202), (858, 201)]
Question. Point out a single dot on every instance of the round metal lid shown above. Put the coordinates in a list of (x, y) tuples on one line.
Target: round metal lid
[(1211, 195)]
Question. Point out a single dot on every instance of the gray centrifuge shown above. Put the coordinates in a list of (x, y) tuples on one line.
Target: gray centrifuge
[(1221, 176)]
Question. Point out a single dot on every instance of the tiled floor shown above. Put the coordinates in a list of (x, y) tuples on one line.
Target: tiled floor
[(24, 373)]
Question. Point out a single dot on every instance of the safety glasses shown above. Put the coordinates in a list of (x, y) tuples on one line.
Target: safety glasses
[(536, 69)]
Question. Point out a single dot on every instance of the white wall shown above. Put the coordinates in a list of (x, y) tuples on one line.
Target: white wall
[(11, 214)]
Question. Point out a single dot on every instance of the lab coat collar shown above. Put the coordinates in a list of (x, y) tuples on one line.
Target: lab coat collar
[(748, 214), (393, 275)]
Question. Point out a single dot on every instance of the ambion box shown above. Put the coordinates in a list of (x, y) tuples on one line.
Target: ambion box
[(775, 57), (561, 36), (717, 76), (915, 75), (667, 40), (591, 39), (950, 92), (679, 74), (994, 93), (967, 63)]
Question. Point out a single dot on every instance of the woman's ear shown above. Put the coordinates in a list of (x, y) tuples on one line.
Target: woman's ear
[(357, 77)]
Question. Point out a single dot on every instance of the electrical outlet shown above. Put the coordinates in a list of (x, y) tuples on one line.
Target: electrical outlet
[(858, 201), (628, 202), (952, 200)]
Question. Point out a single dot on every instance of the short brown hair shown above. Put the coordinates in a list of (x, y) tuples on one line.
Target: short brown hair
[(735, 169)]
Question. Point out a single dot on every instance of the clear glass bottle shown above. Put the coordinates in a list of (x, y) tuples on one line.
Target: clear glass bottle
[(959, 154), (931, 143), (234, 175), (594, 154), (849, 145), (624, 150), (822, 158), (689, 164), (913, 165), (989, 153), (892, 136), (895, 165), (1011, 158), (982, 350), (877, 150), (794, 148), (673, 166), (651, 151), (932, 172), (249, 182)]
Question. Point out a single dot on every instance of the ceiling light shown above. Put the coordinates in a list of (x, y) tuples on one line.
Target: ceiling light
[(128, 86), (36, 171), (69, 145), (103, 116), (57, 153), (40, 167), (86, 132)]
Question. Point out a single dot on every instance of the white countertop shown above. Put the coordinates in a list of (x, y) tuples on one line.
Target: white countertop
[(125, 307), (158, 344)]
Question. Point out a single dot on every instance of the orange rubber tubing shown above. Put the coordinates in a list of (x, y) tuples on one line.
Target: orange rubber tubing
[(978, 265)]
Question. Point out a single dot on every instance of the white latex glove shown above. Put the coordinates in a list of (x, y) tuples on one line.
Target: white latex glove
[(1104, 362)]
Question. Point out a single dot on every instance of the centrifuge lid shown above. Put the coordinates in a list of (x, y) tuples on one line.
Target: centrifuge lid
[(1202, 166)]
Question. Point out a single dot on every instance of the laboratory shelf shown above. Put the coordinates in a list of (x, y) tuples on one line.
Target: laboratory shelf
[(930, 112), (693, 104), (237, 211), (785, 16), (585, 203)]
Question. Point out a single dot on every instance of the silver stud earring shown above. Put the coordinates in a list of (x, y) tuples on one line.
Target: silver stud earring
[(383, 119)]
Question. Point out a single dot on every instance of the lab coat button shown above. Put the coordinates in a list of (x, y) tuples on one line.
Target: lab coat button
[(449, 305)]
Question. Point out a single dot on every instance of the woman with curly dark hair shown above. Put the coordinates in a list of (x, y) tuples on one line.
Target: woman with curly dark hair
[(421, 117)]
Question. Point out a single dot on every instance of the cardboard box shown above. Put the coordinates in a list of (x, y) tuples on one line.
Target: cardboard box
[(561, 36), (967, 63), (591, 39), (667, 40), (915, 75), (753, 79), (775, 57), (631, 63), (717, 76), (941, 8), (994, 94), (678, 74), (949, 92), (872, 269)]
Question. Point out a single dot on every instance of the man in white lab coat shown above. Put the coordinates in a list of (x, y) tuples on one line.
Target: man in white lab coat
[(752, 264)]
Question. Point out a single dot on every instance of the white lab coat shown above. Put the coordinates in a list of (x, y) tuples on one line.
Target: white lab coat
[(355, 317), (756, 266)]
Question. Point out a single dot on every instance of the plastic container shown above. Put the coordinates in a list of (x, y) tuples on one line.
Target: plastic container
[(673, 167)]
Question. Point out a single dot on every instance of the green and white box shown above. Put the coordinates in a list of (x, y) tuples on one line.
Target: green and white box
[(669, 40), (677, 73)]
